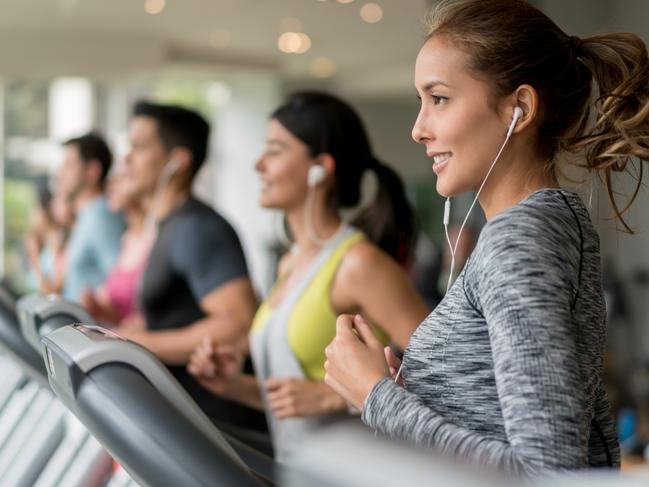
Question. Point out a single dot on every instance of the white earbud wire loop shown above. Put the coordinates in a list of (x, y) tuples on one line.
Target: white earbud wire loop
[(447, 211)]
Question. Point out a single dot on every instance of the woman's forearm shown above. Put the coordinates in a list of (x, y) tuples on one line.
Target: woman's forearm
[(245, 390), (333, 402)]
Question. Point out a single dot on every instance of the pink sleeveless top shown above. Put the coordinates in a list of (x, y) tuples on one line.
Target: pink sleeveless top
[(122, 287)]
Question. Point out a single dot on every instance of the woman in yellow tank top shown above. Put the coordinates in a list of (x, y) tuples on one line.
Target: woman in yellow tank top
[(316, 153)]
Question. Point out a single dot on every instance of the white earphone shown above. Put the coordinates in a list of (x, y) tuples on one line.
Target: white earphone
[(316, 175), (173, 166), (518, 113), (163, 181)]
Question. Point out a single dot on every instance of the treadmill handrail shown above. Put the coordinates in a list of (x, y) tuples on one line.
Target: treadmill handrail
[(87, 354), (12, 341), (45, 307), (50, 304), (152, 440)]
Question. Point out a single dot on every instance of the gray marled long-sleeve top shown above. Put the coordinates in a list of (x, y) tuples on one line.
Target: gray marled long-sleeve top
[(506, 371)]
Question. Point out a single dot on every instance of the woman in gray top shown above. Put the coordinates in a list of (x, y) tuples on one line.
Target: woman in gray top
[(506, 371)]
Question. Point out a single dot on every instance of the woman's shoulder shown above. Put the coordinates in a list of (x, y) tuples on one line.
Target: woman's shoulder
[(550, 214), (361, 254), (363, 261), (362, 265), (546, 227)]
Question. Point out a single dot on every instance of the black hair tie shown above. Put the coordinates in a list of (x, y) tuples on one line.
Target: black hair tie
[(575, 44)]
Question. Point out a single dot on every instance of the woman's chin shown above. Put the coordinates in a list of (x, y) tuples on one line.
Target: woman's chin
[(443, 190), (269, 204), (448, 190)]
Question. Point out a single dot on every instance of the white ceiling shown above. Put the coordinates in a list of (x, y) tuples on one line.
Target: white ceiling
[(111, 38), (104, 37)]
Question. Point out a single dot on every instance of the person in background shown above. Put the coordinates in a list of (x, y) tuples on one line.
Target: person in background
[(45, 245), (117, 301), (196, 281), (316, 153), (95, 239), (62, 208)]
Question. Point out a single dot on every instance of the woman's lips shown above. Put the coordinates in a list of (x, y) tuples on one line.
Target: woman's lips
[(440, 161)]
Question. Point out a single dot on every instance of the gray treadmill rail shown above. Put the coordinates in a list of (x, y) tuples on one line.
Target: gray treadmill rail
[(46, 455), (137, 410), (39, 315), (13, 343)]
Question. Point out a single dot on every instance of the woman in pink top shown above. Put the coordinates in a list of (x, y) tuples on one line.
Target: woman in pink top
[(117, 301)]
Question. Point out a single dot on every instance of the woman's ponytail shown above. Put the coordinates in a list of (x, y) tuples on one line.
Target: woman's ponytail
[(389, 220), (620, 134)]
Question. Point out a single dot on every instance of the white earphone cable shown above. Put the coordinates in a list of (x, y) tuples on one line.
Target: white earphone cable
[(161, 185), (447, 211), (453, 248)]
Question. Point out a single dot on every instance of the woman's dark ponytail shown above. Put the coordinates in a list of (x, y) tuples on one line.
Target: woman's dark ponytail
[(389, 220), (328, 125)]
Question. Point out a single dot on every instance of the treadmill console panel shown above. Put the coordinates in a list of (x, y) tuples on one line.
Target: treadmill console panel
[(97, 333), (65, 350), (64, 375)]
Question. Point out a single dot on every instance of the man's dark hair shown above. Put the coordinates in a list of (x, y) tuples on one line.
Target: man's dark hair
[(178, 127), (93, 147)]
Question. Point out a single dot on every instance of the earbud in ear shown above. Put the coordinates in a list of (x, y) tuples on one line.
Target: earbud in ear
[(518, 113), (170, 169), (173, 165), (316, 175)]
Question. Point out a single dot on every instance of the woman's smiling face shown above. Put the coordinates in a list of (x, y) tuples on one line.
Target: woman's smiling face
[(457, 122), (283, 168)]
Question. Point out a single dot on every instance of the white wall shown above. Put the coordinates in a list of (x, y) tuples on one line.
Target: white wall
[(238, 139)]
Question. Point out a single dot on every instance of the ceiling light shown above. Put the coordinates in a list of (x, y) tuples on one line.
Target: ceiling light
[(154, 7), (289, 42), (371, 13), (305, 43), (294, 42)]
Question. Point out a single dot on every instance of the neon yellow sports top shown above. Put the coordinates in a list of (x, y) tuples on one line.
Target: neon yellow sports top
[(312, 324)]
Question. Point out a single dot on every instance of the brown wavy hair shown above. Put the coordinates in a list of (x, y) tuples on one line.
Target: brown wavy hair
[(593, 92)]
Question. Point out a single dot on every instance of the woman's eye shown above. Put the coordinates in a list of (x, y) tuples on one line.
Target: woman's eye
[(438, 100)]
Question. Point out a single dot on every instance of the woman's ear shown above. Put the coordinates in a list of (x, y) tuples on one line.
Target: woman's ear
[(327, 161), (527, 99)]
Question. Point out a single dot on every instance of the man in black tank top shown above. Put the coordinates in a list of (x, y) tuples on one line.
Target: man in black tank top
[(196, 282)]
